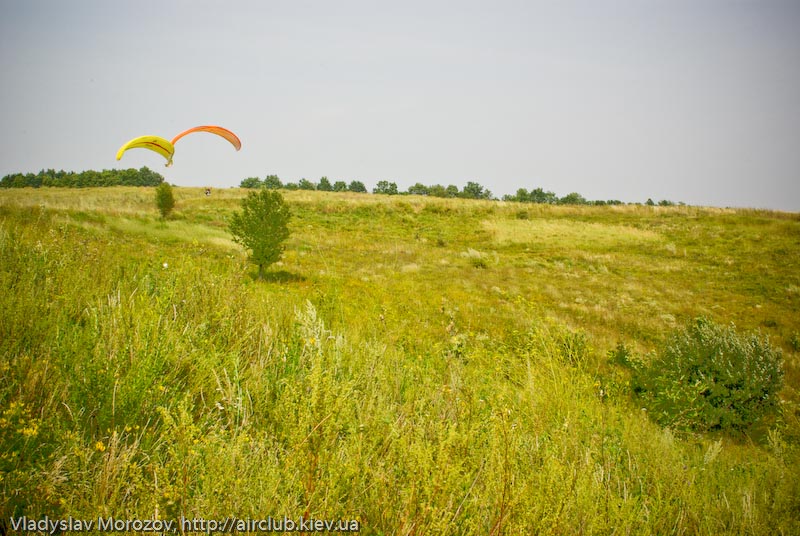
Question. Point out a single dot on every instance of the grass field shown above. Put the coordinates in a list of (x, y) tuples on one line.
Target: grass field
[(420, 365)]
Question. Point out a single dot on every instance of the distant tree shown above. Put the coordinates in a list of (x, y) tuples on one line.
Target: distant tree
[(522, 196), (324, 185), (666, 203), (291, 186), (472, 190), (540, 196), (110, 177), (451, 191), (419, 189), (573, 198), (262, 227), (148, 177), (165, 201), (88, 178), (126, 176), (42, 177), (12, 180), (357, 186), (385, 187), (250, 182), (306, 184), (339, 186), (649, 202), (437, 190), (272, 182), (68, 181)]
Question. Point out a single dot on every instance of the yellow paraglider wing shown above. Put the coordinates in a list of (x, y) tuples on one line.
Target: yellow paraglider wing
[(154, 143), (219, 131)]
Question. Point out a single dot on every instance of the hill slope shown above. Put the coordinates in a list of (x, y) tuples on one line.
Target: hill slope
[(424, 366)]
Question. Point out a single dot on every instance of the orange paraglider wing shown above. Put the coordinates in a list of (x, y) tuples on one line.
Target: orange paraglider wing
[(219, 131)]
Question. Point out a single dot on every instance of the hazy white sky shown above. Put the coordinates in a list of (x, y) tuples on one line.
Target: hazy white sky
[(695, 101)]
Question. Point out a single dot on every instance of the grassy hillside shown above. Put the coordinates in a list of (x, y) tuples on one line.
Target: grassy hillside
[(425, 366)]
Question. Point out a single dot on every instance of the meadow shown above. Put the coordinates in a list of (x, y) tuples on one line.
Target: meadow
[(420, 365)]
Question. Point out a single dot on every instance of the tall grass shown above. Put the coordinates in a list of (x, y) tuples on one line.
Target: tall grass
[(146, 374)]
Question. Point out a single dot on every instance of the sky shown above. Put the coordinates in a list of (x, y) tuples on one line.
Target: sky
[(694, 101)]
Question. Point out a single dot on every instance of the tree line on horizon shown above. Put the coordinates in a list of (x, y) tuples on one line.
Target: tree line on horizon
[(472, 190), (147, 177), (83, 179)]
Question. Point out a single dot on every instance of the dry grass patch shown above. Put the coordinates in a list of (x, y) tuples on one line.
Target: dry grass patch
[(565, 232)]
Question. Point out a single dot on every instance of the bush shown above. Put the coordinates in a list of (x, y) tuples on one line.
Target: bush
[(165, 201), (262, 227), (708, 377)]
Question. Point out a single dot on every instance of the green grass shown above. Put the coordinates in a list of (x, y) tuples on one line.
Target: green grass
[(426, 366)]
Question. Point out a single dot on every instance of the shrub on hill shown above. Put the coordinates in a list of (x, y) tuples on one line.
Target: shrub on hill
[(708, 377)]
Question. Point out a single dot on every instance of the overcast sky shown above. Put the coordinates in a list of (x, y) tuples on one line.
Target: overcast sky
[(695, 101)]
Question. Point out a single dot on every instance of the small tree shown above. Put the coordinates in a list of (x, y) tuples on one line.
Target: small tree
[(262, 227), (324, 185), (165, 201)]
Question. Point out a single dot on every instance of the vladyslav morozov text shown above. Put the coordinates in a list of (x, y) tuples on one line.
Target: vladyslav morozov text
[(49, 525)]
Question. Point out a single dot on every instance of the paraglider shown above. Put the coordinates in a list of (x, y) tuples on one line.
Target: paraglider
[(167, 148), (219, 131), (154, 143)]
